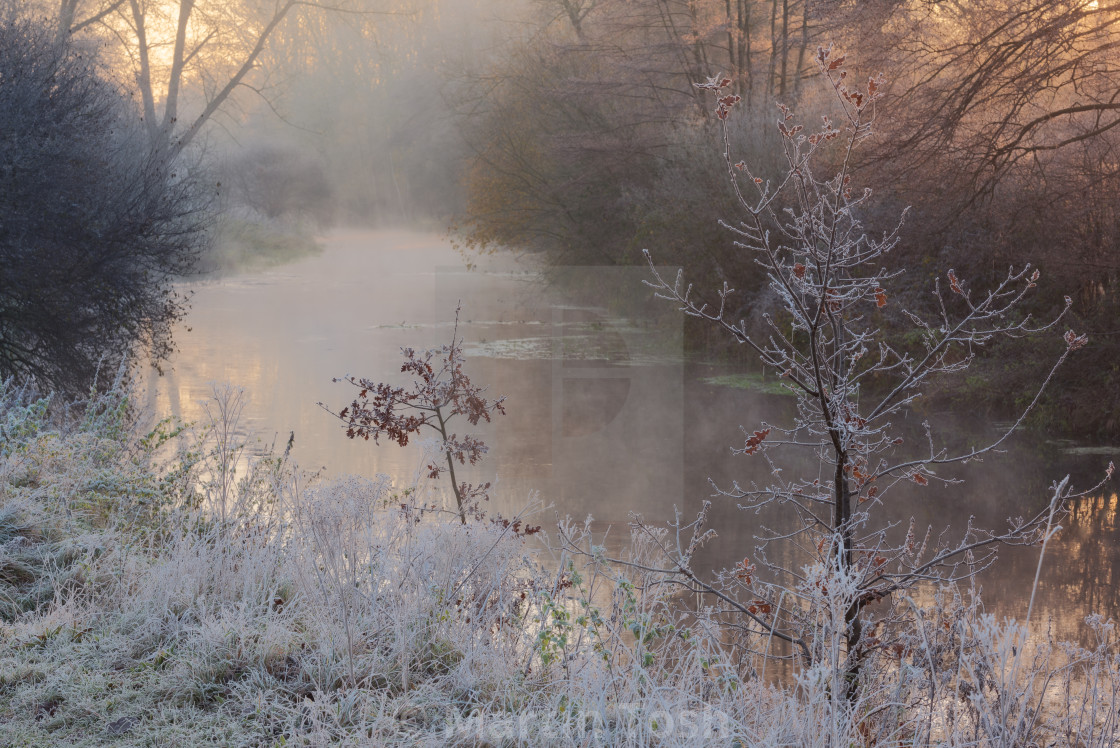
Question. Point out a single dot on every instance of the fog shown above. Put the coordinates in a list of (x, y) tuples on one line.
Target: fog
[(606, 416), (788, 327), (361, 119), (537, 137)]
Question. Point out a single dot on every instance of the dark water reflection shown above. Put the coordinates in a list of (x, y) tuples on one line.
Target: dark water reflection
[(605, 417)]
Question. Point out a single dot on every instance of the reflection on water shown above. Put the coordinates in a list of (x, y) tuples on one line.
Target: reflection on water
[(604, 416), (1083, 575)]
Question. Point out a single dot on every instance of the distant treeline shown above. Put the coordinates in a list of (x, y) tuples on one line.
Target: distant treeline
[(590, 142)]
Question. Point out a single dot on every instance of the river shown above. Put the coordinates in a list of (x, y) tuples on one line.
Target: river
[(606, 417)]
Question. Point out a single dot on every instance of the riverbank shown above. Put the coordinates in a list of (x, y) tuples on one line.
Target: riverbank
[(163, 588)]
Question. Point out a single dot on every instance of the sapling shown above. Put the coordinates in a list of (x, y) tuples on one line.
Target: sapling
[(440, 392), (851, 380)]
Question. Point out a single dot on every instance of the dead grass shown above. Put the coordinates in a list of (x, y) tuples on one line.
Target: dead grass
[(341, 613)]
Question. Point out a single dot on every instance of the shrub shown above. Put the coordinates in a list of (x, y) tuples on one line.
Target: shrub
[(279, 183), (95, 224)]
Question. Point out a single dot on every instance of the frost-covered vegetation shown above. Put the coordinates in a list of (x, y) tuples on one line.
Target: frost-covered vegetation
[(162, 587), (591, 141)]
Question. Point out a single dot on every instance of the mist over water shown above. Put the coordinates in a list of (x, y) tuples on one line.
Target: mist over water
[(606, 417)]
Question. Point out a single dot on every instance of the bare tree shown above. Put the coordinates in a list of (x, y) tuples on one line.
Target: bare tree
[(189, 57), (575, 12), (851, 383), (76, 15), (994, 85), (1007, 111)]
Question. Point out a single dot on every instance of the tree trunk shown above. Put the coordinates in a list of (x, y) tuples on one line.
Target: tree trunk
[(803, 47), (698, 50), (842, 526), (785, 47), (773, 49), (733, 67), (745, 50), (67, 9), (576, 15), (451, 469)]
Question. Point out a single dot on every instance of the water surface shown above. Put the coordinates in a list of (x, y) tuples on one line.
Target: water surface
[(605, 416)]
